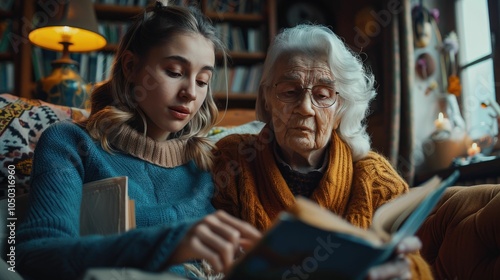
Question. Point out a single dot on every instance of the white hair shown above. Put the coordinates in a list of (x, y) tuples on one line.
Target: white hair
[(353, 81)]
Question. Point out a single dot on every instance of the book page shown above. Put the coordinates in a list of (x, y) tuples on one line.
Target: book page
[(105, 207), (415, 205), (388, 217), (413, 222), (311, 213)]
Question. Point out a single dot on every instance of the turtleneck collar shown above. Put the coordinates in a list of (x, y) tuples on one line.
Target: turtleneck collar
[(169, 153)]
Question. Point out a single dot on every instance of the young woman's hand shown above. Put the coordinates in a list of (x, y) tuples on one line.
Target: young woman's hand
[(217, 238), (398, 268)]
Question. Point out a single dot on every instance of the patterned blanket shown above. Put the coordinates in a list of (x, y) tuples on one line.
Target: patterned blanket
[(22, 121)]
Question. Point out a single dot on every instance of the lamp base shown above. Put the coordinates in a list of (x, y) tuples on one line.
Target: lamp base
[(64, 86)]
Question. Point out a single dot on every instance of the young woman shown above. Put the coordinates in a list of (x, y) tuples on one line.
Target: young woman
[(148, 123)]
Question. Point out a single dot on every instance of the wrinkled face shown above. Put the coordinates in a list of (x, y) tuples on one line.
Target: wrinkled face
[(172, 83), (300, 127)]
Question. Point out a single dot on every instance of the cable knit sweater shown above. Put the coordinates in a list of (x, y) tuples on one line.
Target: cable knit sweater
[(170, 193), (250, 185)]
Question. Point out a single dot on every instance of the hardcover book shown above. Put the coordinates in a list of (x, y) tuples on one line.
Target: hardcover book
[(106, 207)]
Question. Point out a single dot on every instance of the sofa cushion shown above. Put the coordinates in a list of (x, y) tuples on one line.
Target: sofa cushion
[(461, 237), (21, 123)]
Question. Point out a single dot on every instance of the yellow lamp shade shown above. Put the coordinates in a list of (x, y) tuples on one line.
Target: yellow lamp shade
[(72, 23), (81, 40)]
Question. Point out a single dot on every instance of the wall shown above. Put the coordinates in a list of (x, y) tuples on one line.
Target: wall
[(429, 99)]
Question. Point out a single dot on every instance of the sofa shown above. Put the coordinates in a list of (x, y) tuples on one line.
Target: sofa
[(461, 236)]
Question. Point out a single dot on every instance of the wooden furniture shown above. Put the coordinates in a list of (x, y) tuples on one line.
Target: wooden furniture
[(483, 172), (19, 52), (23, 12)]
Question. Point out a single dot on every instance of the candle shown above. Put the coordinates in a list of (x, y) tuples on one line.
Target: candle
[(442, 123), (473, 150)]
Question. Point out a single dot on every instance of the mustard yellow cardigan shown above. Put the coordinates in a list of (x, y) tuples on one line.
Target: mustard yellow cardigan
[(251, 187)]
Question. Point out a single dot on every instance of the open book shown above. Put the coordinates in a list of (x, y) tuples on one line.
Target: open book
[(106, 207), (309, 242)]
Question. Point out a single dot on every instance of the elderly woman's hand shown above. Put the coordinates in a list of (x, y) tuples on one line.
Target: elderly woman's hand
[(399, 267)]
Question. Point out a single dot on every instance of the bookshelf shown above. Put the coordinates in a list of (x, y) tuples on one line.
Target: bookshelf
[(246, 27), (15, 49), (261, 22), (8, 14)]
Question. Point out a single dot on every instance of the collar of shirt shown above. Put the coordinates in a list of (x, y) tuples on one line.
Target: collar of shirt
[(279, 159)]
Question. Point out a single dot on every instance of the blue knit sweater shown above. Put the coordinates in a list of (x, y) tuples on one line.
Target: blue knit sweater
[(170, 194)]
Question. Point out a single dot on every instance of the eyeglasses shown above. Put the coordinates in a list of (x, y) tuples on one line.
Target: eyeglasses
[(322, 96)]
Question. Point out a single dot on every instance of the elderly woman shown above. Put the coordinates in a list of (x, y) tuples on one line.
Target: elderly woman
[(313, 97)]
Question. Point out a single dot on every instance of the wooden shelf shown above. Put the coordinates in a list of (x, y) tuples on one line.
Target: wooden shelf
[(6, 56), (236, 58), (235, 100), (236, 17), (473, 172), (6, 14), (115, 12), (235, 117), (241, 96), (110, 48)]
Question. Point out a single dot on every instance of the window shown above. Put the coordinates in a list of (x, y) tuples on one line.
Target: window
[(476, 64)]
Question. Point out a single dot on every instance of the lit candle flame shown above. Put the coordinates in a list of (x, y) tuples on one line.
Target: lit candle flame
[(440, 116)]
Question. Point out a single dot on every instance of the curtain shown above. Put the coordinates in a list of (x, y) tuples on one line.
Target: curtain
[(400, 78)]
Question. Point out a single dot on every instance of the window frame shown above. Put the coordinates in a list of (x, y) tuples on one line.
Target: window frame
[(494, 56), (494, 13)]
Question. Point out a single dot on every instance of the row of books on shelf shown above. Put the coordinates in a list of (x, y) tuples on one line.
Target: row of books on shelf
[(93, 67), (238, 38), (240, 79), (241, 6), (6, 76), (113, 31), (5, 31), (6, 5)]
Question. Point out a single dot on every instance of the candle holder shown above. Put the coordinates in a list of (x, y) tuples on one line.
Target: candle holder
[(442, 148), (449, 122), (484, 138), (443, 128)]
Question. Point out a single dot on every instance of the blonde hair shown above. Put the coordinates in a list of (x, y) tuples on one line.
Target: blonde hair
[(112, 102)]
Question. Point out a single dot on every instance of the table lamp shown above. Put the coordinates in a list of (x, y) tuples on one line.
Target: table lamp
[(72, 28)]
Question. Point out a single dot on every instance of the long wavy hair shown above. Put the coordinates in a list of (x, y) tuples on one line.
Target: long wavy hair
[(113, 104), (353, 81)]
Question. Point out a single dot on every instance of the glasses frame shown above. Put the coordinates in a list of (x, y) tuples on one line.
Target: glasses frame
[(304, 90)]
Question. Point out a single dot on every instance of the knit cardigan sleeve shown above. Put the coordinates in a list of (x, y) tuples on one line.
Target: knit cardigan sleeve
[(49, 245), (376, 173), (225, 173), (379, 180)]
